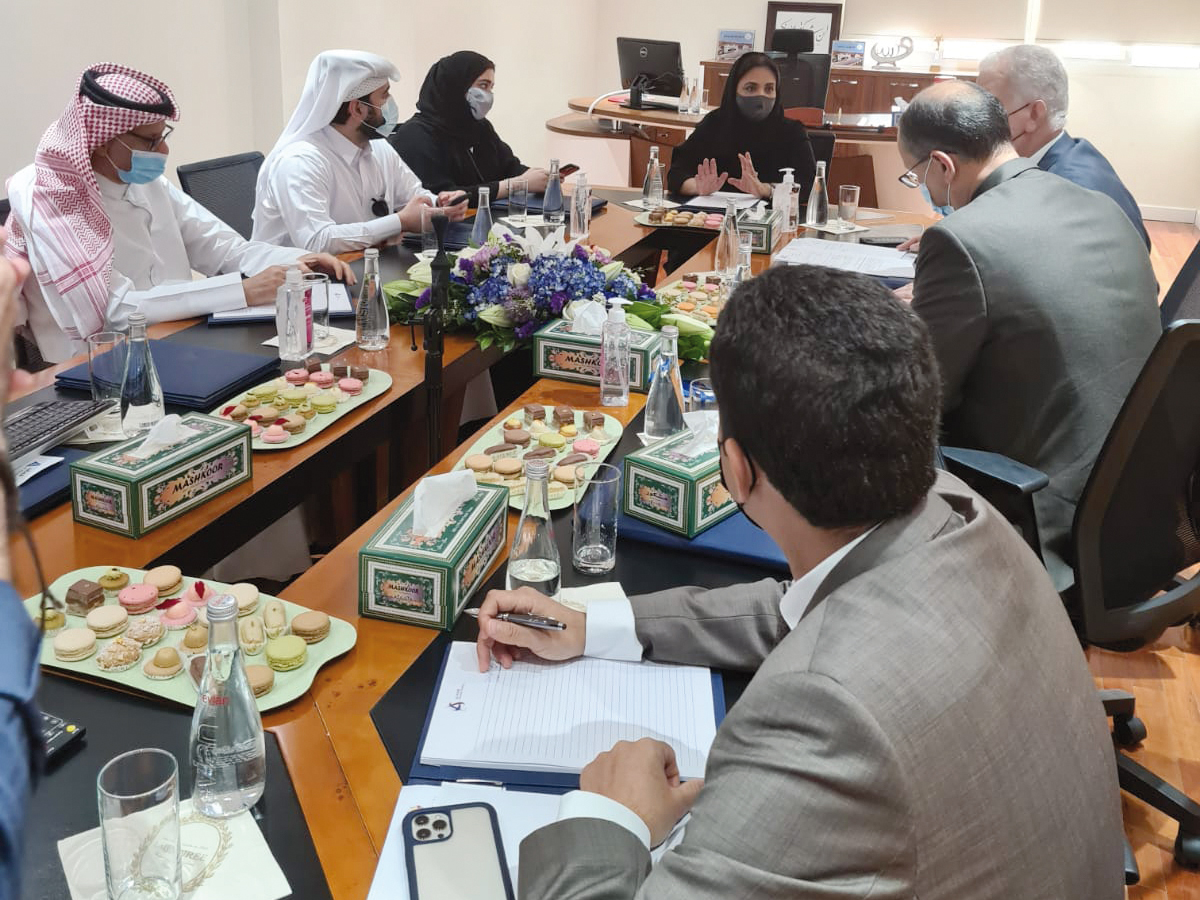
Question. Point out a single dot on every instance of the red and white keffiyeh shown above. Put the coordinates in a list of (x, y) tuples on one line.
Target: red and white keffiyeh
[(70, 229)]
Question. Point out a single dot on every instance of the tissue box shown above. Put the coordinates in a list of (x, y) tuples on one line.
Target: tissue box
[(403, 577), (131, 496), (764, 232), (557, 353), (680, 493)]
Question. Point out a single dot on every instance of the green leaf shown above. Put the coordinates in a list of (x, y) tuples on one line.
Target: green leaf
[(486, 340)]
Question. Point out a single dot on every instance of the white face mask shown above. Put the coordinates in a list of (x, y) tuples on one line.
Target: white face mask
[(480, 102)]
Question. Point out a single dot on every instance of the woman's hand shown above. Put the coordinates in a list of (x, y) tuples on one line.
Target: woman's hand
[(707, 179), (749, 183)]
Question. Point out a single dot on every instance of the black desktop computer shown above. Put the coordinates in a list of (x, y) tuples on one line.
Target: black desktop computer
[(650, 67)]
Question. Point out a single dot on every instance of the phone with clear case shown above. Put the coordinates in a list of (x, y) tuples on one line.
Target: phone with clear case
[(455, 853)]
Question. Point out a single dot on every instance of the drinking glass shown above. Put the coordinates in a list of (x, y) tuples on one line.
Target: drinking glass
[(594, 532), (701, 395), (428, 237), (848, 203), (694, 97), (703, 99), (518, 200), (317, 286), (107, 352), (138, 796)]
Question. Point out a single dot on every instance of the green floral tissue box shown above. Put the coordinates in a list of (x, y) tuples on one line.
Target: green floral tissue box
[(678, 492)]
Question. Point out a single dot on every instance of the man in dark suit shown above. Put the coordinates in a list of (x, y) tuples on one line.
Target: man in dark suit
[(875, 751), (1031, 83), (1038, 295)]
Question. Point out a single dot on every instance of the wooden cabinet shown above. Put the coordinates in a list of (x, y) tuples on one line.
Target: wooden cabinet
[(639, 151), (847, 93), (896, 84)]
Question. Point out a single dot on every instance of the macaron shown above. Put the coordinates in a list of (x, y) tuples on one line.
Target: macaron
[(147, 631), (478, 462), (293, 397), (312, 626), (294, 424), (246, 596), (138, 598), (507, 468), (553, 440), (565, 475), (274, 617), (323, 402), (261, 678), (264, 392), (112, 580), (267, 414), (568, 431), (107, 621), (54, 622), (286, 653), (168, 580), (179, 616), (274, 434), (322, 379), (252, 635), (165, 664), (197, 593), (195, 640), (296, 376), (251, 401), (351, 386), (306, 410), (517, 436), (74, 644), (688, 285), (120, 655), (586, 446)]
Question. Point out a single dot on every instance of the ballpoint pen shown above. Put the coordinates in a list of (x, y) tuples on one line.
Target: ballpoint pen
[(528, 620)]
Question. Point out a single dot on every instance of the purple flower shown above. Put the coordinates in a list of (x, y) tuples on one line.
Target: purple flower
[(524, 331), (579, 253), (557, 301), (423, 299), (468, 269)]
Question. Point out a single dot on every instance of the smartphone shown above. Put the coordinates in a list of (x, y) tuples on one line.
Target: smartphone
[(568, 169), (455, 853)]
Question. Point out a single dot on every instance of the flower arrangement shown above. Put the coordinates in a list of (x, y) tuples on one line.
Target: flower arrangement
[(512, 285)]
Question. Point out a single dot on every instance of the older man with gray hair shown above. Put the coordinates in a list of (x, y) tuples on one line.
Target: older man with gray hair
[(1031, 83)]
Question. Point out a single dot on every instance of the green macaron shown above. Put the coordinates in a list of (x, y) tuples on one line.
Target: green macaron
[(286, 653)]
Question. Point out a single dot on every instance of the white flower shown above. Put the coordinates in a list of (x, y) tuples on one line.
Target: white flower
[(496, 315), (612, 270), (421, 272), (518, 274)]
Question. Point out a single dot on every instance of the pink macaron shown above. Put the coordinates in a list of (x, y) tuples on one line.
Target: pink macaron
[(322, 379), (138, 598), (588, 446), (350, 386), (689, 285), (181, 615), (296, 376), (274, 434)]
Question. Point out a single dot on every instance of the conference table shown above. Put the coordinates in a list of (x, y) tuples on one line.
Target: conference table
[(343, 780)]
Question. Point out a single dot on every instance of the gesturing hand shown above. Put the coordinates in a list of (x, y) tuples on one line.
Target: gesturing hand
[(707, 179), (748, 183), (508, 642)]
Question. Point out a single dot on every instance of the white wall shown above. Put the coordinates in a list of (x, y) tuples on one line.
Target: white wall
[(237, 67)]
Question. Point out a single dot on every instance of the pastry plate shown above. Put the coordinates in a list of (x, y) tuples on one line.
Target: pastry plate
[(495, 435), (288, 685), (643, 218), (376, 384)]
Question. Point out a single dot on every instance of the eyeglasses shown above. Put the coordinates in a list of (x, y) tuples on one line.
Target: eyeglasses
[(909, 179), (151, 143)]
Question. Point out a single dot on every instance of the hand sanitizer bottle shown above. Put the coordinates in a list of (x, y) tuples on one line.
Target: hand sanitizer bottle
[(615, 338), (782, 200)]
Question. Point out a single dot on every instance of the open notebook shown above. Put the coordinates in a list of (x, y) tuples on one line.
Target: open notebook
[(556, 717)]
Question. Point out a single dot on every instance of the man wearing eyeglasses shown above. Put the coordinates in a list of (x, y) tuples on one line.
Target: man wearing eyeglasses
[(1038, 295), (1031, 83), (106, 235)]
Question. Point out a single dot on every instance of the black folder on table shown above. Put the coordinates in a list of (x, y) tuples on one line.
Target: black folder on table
[(535, 204), (458, 236), (191, 376)]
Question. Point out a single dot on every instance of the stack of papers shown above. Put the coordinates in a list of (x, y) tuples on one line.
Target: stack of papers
[(718, 200), (339, 305), (882, 262)]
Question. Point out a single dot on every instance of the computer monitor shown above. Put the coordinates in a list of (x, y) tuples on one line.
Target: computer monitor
[(656, 65)]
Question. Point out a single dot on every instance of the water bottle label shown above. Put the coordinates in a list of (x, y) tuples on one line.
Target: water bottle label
[(141, 417)]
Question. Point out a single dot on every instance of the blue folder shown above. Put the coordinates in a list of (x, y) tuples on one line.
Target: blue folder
[(458, 236), (734, 538), (50, 488), (535, 204), (517, 779), (193, 377)]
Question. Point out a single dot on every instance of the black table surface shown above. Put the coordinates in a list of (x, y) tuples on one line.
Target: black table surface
[(64, 802), (641, 568)]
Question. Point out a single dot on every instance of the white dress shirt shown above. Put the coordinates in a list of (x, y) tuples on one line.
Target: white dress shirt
[(1036, 156), (610, 634), (320, 191), (160, 235)]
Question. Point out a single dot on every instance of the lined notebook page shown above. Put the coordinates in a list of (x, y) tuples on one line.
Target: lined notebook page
[(556, 717)]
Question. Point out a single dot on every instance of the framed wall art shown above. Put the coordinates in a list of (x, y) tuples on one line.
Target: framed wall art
[(823, 19)]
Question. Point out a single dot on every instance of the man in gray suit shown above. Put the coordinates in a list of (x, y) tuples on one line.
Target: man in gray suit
[(920, 723), (1039, 297)]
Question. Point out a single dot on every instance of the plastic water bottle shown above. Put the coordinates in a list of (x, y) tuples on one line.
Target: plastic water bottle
[(581, 209), (141, 393), (615, 338), (652, 185), (817, 213), (664, 405), (228, 756), (533, 561), (552, 200), (371, 315), (727, 242), (483, 218), (293, 318)]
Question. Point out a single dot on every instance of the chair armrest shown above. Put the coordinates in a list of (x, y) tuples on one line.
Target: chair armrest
[(996, 468)]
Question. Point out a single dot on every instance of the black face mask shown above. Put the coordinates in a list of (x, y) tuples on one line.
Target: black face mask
[(753, 482), (755, 108)]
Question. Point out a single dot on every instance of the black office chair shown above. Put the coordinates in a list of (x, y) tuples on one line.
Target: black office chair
[(225, 187), (1183, 298), (803, 75), (822, 141), (1137, 525)]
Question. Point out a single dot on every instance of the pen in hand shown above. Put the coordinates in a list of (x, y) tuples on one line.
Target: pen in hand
[(527, 620)]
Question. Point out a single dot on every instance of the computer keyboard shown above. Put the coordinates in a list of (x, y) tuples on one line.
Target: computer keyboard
[(657, 101), (42, 425)]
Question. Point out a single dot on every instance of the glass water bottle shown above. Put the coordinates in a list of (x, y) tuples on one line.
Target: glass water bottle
[(817, 213), (664, 405), (483, 218), (552, 200), (141, 393), (652, 185), (371, 325), (228, 756), (581, 209), (727, 242), (533, 561)]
